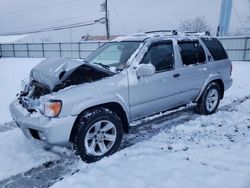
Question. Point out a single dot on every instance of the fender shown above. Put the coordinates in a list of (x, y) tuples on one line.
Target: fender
[(211, 77), (95, 101)]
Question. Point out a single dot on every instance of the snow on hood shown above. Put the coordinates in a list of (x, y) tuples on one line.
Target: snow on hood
[(48, 71)]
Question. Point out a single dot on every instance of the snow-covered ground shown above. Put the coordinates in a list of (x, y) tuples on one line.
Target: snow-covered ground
[(19, 154), (208, 152), (202, 151)]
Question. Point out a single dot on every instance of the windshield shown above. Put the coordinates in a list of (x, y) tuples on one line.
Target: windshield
[(113, 55)]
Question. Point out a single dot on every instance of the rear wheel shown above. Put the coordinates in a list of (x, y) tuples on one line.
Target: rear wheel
[(210, 99), (99, 134)]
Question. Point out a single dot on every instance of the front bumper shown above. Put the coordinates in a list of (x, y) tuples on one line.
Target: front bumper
[(55, 131)]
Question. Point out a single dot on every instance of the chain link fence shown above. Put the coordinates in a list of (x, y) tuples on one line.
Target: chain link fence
[(68, 50), (238, 48)]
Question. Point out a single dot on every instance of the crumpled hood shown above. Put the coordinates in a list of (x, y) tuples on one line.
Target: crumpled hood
[(51, 72)]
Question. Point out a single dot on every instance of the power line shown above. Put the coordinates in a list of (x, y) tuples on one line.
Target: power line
[(38, 8), (48, 24), (75, 25)]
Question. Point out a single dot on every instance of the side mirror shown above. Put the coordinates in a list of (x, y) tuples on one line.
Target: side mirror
[(145, 70)]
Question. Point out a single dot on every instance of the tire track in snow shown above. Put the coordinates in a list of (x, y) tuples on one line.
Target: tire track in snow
[(44, 175), (54, 171), (7, 126), (149, 129)]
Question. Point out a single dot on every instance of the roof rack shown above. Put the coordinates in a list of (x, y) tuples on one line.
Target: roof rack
[(190, 33), (173, 32), (157, 33)]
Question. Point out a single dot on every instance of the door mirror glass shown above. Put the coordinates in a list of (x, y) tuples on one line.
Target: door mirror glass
[(145, 70)]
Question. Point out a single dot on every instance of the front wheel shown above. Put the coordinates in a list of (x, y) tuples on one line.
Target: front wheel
[(99, 134), (209, 100)]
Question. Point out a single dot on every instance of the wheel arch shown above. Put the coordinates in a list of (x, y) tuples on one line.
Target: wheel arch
[(221, 84), (113, 106), (217, 80)]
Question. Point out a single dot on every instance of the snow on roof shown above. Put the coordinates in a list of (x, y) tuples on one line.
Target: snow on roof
[(11, 38)]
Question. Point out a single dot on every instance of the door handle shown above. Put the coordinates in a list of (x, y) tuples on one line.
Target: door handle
[(176, 75)]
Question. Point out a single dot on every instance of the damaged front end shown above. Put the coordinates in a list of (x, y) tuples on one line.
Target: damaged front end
[(51, 76)]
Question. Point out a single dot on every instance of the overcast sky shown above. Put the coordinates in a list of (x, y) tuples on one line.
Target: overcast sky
[(127, 16)]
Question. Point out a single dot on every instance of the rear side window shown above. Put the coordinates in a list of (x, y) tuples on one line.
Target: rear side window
[(160, 55), (191, 52), (215, 48)]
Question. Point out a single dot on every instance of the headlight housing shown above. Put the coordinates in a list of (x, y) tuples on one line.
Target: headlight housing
[(52, 108)]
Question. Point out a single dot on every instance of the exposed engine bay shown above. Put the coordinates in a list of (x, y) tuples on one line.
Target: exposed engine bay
[(38, 86)]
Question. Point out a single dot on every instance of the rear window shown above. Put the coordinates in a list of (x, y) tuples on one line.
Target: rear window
[(191, 52), (215, 48)]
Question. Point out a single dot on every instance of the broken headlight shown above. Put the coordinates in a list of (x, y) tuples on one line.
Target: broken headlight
[(52, 108)]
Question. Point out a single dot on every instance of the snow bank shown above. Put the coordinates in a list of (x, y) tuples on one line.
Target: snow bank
[(12, 72), (18, 154)]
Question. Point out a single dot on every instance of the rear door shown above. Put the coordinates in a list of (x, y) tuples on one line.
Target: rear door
[(194, 69)]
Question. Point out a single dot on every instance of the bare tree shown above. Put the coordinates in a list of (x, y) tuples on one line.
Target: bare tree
[(197, 24)]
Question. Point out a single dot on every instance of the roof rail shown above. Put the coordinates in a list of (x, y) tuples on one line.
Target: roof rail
[(173, 32), (207, 33)]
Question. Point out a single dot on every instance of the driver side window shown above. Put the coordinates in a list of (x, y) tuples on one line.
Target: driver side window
[(161, 56)]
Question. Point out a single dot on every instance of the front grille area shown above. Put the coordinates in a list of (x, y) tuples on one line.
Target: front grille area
[(30, 99), (34, 134), (25, 105)]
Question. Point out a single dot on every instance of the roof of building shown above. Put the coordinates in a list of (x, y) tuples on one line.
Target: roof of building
[(11, 38)]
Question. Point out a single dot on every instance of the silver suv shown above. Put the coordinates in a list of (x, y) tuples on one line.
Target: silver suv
[(91, 103)]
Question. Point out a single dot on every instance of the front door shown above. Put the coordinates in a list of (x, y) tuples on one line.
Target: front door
[(148, 95)]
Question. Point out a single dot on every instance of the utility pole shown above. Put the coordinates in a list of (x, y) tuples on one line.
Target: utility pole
[(225, 14), (107, 20)]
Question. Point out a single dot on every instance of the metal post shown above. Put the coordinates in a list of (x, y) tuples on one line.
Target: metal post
[(13, 49), (60, 49), (245, 49), (1, 52), (43, 49), (79, 49), (28, 52), (225, 15)]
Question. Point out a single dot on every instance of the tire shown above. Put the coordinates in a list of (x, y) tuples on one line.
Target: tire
[(99, 134), (210, 99)]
